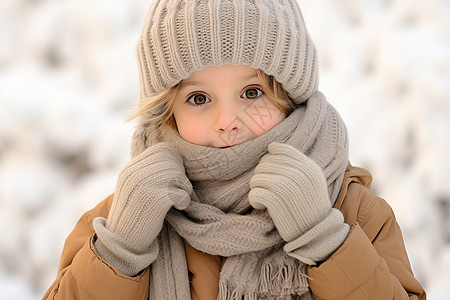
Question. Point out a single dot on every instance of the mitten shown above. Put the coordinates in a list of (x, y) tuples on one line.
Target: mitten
[(294, 191), (147, 187)]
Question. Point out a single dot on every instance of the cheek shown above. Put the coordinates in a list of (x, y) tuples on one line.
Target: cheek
[(191, 130), (264, 116)]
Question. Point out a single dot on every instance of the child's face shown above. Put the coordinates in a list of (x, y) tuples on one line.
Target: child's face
[(224, 106)]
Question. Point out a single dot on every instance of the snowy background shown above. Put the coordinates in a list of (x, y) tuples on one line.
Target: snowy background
[(68, 80)]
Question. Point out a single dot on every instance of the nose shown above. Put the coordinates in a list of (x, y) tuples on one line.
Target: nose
[(227, 118)]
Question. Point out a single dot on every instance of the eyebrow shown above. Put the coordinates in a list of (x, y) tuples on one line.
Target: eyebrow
[(185, 83)]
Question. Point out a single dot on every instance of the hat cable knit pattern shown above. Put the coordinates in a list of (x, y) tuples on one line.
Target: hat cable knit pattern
[(181, 37)]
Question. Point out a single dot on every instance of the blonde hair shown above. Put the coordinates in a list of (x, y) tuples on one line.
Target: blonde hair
[(276, 92), (156, 112)]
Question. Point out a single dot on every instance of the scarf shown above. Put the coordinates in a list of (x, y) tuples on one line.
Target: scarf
[(220, 220)]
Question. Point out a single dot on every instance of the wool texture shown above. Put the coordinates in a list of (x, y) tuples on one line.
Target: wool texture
[(183, 36), (147, 187), (221, 221), (293, 189)]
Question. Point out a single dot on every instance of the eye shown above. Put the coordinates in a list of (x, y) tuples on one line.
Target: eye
[(198, 99), (252, 93)]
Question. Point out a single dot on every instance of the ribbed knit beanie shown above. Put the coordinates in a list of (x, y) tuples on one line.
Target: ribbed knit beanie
[(184, 36)]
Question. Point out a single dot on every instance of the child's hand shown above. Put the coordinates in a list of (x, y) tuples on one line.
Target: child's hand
[(293, 189), (146, 189)]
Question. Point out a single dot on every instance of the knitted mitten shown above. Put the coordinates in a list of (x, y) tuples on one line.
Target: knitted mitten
[(293, 189), (147, 187)]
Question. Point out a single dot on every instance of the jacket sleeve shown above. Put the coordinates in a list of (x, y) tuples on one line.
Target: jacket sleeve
[(83, 274), (372, 263)]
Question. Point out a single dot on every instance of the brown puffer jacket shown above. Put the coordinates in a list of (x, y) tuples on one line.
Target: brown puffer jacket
[(371, 264)]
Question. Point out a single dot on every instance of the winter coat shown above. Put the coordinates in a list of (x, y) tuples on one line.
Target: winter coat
[(372, 263)]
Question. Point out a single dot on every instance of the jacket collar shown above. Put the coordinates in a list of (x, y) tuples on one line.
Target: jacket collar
[(353, 174)]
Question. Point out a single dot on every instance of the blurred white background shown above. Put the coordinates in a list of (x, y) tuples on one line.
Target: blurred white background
[(68, 79)]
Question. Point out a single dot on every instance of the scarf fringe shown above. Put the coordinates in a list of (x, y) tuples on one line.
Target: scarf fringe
[(228, 293), (287, 279)]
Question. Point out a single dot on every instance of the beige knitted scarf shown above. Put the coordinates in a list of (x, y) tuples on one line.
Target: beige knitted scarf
[(220, 220)]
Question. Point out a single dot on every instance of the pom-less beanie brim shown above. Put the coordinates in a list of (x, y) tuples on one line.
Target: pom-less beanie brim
[(184, 36)]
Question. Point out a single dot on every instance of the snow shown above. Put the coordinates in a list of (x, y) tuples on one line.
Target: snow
[(68, 80)]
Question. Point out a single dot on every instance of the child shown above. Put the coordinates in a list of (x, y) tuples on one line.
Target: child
[(239, 186)]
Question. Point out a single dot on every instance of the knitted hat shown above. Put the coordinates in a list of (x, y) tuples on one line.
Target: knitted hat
[(184, 36)]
